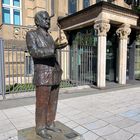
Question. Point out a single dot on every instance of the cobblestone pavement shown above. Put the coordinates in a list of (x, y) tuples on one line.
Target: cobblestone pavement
[(113, 115)]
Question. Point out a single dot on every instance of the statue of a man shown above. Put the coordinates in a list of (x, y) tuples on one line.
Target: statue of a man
[(47, 73)]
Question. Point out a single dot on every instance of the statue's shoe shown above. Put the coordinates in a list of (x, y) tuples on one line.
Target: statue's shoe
[(53, 128), (44, 134)]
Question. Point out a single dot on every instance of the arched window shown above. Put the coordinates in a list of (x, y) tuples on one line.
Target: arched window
[(72, 6), (86, 3)]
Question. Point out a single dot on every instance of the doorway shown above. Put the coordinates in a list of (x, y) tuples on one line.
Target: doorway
[(111, 56), (83, 56)]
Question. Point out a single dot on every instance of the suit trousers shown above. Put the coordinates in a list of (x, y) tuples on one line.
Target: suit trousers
[(46, 105)]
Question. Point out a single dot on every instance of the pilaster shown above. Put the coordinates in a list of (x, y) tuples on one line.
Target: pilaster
[(79, 5)]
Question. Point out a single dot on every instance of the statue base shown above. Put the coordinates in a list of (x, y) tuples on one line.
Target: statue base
[(66, 134)]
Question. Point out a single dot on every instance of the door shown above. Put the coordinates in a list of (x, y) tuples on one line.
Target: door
[(110, 62), (111, 59)]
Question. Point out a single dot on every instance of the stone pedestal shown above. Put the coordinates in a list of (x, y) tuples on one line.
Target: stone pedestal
[(66, 134)]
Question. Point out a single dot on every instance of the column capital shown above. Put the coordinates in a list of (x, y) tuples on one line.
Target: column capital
[(124, 31), (102, 27)]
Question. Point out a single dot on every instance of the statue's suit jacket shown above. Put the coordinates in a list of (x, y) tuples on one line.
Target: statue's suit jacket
[(41, 47)]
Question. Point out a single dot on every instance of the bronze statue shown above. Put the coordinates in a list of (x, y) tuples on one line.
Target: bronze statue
[(47, 73)]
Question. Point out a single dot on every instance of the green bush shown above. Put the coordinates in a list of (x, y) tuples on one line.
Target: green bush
[(30, 87)]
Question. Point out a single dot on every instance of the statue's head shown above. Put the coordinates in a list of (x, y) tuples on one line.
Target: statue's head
[(42, 19)]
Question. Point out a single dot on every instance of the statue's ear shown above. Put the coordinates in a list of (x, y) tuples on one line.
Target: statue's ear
[(37, 22)]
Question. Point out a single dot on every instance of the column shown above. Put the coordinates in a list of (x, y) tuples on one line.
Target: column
[(122, 33), (102, 28)]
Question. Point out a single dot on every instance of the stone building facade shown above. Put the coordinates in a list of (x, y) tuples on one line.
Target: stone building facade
[(27, 10)]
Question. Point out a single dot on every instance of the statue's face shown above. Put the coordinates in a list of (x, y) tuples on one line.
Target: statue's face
[(44, 21)]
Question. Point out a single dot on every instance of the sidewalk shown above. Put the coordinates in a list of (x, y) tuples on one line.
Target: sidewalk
[(112, 115)]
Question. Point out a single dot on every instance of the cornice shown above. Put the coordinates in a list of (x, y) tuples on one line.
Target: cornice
[(120, 13), (90, 13)]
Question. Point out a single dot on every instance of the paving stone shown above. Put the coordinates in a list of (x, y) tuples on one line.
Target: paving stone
[(113, 119), (13, 138), (107, 130), (29, 118), (23, 125), (71, 124), (135, 138), (124, 123), (16, 112), (96, 125), (2, 116), (8, 135), (71, 113), (138, 135), (119, 135), (120, 110), (2, 137), (136, 118), (30, 108), (23, 122), (1, 98), (79, 116), (5, 126), (64, 120), (100, 138), (103, 115), (135, 129), (65, 110), (90, 136), (130, 113), (136, 110), (80, 129), (86, 120)]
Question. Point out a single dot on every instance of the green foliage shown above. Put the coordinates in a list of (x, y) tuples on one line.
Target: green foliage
[(30, 87), (137, 9), (20, 88)]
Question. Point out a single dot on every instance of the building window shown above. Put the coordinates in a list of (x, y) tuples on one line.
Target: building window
[(6, 15), (11, 12), (72, 6), (29, 66), (86, 3)]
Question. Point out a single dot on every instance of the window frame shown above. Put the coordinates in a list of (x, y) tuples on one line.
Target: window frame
[(12, 8), (84, 4), (69, 7)]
